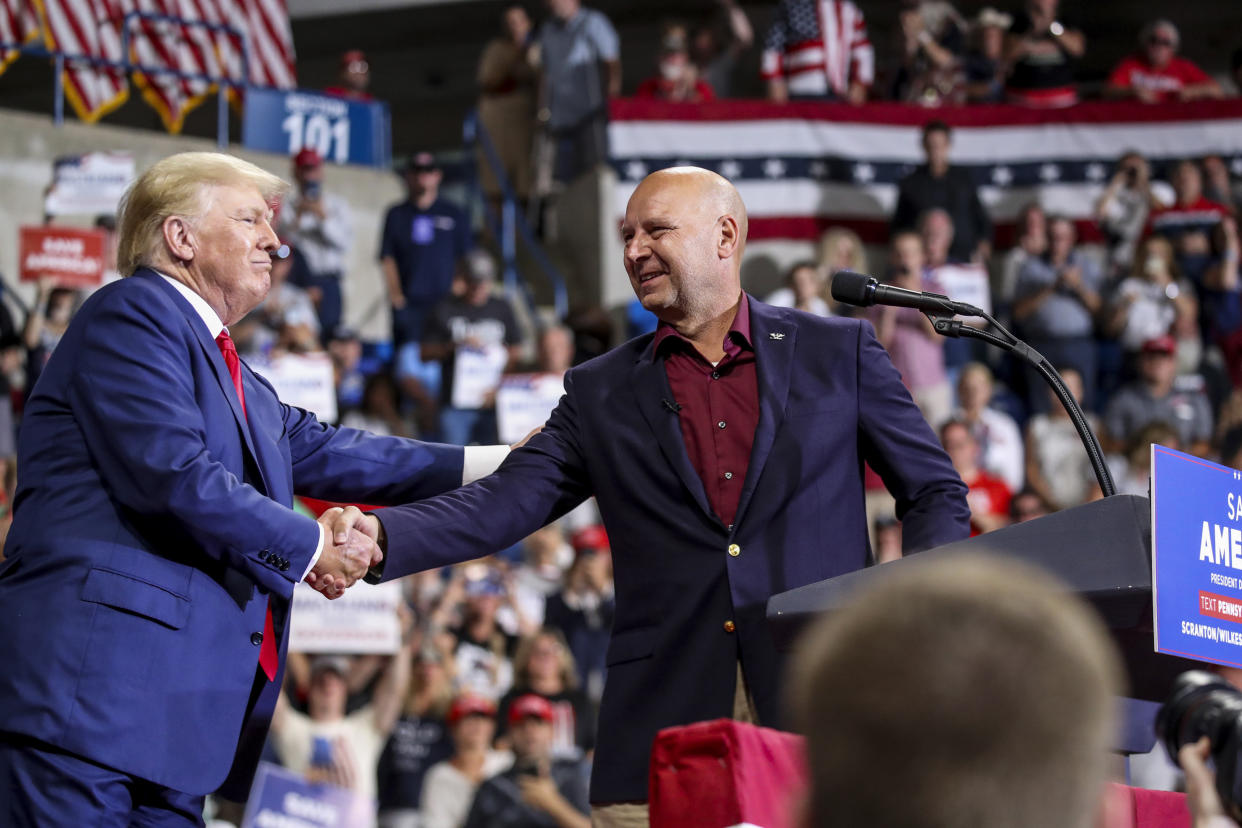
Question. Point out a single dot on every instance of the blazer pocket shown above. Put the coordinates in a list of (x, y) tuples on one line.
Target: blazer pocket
[(630, 645), (134, 595)]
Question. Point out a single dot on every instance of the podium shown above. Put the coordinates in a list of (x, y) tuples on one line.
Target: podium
[(1102, 550)]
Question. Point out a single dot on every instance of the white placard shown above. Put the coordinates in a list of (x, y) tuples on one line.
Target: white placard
[(524, 401), (88, 185), (476, 373), (302, 380), (363, 620), (965, 283)]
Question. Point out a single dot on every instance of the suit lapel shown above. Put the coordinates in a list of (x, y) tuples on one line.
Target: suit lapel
[(774, 337), (651, 388)]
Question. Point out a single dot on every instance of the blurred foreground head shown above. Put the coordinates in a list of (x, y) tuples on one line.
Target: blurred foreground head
[(966, 691)]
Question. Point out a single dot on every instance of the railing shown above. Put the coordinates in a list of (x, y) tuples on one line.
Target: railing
[(510, 223)]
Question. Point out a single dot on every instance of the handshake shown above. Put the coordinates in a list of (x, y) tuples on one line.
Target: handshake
[(351, 546)]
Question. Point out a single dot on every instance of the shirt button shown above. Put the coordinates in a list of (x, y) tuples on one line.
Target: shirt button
[(720, 424), (256, 639), (728, 475), (734, 550), (715, 375), (729, 626)]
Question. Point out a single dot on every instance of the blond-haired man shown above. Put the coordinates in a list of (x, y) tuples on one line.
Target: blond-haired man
[(147, 579)]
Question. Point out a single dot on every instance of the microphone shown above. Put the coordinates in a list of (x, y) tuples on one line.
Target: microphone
[(865, 291), (670, 405)]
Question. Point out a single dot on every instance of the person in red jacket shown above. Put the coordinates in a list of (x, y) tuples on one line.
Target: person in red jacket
[(1157, 74), (678, 78)]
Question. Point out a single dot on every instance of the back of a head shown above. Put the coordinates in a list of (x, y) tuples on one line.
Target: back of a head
[(965, 691)]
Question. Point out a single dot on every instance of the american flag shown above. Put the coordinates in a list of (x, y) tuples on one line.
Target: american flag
[(19, 23), (819, 46), (803, 167), (94, 28)]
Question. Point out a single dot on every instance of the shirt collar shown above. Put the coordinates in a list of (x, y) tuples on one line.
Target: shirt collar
[(204, 310), (737, 337)]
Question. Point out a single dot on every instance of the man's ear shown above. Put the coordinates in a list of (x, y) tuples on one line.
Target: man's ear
[(729, 237), (179, 238)]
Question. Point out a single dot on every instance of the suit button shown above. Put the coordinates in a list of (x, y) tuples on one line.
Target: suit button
[(284, 566), (735, 550), (256, 639), (263, 554), (729, 626)]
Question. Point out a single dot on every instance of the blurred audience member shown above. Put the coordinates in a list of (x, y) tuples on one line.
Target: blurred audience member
[(419, 740), (887, 539), (380, 411), (555, 353), (355, 77), (583, 610), (937, 184), (1131, 469), (450, 785), (1032, 235), (804, 288), (1122, 210), (507, 92), (544, 666), (483, 651), (1189, 221), (580, 57), (1000, 441), (1157, 396), (1146, 303), (345, 348), (677, 78), (932, 40), (319, 225), (1222, 294), (1042, 52), (545, 557), (1058, 468), (984, 65), (991, 673), (716, 45), (12, 355), (1055, 303), (1218, 183), (988, 496), (45, 324), (1027, 505), (803, 59), (285, 321), (538, 791), (1156, 73), (476, 338)]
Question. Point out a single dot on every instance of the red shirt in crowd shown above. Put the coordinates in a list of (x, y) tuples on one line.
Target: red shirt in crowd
[(663, 90), (1174, 220), (719, 408), (1135, 73), (988, 495)]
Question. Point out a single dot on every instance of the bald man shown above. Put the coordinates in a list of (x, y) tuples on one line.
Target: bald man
[(725, 451)]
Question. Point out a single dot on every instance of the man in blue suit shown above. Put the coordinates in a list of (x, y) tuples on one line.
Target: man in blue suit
[(150, 567), (726, 453)]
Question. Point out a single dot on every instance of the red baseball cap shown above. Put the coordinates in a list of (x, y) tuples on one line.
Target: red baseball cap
[(592, 537), (353, 56), (468, 704), (530, 706), (1160, 345), (307, 157)]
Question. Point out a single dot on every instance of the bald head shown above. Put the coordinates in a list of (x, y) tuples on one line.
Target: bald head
[(710, 192)]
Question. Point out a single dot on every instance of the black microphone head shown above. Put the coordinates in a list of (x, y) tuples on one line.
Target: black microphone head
[(854, 288)]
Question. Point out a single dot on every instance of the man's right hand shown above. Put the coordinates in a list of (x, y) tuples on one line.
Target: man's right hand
[(350, 549)]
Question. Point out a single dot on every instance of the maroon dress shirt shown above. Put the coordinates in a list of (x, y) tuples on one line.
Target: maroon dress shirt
[(719, 408)]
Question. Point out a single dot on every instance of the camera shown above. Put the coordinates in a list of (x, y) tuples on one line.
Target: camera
[(1203, 704)]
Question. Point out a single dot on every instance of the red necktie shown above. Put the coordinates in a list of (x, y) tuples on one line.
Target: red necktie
[(268, 659)]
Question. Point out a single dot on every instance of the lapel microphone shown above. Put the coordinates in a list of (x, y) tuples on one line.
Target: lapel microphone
[(670, 405)]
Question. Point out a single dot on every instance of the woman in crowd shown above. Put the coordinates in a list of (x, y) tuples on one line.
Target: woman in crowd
[(544, 666)]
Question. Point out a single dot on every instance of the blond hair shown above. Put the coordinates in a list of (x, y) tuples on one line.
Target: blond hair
[(179, 186)]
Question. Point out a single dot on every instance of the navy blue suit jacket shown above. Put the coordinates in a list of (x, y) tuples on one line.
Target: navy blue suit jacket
[(829, 399), (152, 523)]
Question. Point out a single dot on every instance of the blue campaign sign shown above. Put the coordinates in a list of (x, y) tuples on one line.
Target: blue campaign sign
[(340, 130), (281, 798), (1196, 525)]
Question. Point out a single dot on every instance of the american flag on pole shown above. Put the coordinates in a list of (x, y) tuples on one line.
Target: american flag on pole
[(19, 23), (803, 167), (95, 28)]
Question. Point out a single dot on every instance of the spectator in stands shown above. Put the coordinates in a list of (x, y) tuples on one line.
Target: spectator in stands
[(887, 543), (319, 225), (12, 356), (802, 61), (1189, 221), (380, 411), (964, 281), (1146, 303), (716, 45), (988, 496), (355, 77), (419, 740), (1032, 236), (804, 288), (483, 652), (984, 65), (544, 666), (968, 691), (1122, 210), (545, 557), (423, 239), (345, 349), (1218, 183), (575, 45), (916, 349), (583, 610), (1156, 73), (450, 785), (538, 790), (840, 248), (476, 338), (1222, 291), (1000, 441), (555, 349), (1131, 469), (45, 324), (507, 93), (1027, 505), (1058, 468), (932, 35), (327, 744), (1156, 396), (1055, 303), (677, 77), (937, 184), (1042, 52)]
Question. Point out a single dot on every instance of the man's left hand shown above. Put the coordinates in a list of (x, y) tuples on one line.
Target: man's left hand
[(539, 792)]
